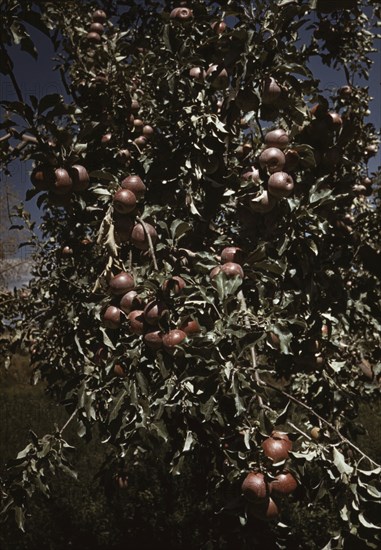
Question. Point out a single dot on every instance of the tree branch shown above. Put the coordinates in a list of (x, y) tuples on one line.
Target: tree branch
[(323, 420)]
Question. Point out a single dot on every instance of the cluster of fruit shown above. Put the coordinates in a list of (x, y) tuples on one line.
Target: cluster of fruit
[(147, 320), (143, 131), (231, 259), (97, 27), (125, 202), (274, 161), (60, 181), (263, 491), (216, 74)]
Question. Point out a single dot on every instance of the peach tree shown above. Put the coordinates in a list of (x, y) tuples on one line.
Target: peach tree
[(205, 273)]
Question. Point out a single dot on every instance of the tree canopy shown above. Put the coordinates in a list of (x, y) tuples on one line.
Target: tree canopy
[(206, 276)]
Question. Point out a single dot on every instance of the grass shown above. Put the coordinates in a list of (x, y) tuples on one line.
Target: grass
[(175, 513)]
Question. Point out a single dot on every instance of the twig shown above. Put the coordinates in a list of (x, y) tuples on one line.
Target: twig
[(7, 301), (73, 414), (299, 430), (151, 249), (29, 139), (24, 141)]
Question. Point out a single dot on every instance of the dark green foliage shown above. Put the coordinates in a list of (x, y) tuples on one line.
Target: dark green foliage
[(175, 512), (289, 341)]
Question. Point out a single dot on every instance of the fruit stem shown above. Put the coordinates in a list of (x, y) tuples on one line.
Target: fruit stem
[(151, 249)]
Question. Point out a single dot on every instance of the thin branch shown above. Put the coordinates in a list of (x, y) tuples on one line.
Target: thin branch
[(23, 137), (299, 430), (323, 420), (29, 139), (8, 301), (25, 140), (72, 416)]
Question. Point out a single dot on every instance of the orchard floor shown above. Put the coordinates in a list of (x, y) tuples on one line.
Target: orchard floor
[(156, 511)]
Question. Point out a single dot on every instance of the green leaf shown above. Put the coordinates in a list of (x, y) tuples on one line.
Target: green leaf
[(34, 19), (341, 465), (265, 423), (337, 366), (166, 37), (373, 491), (49, 101), (25, 451), (179, 228), (188, 443), (285, 338), (282, 418), (28, 46), (101, 175), (367, 523), (106, 339), (161, 429), (320, 196), (68, 470), (271, 266), (118, 402), (176, 469), (207, 408), (20, 517), (239, 404)]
